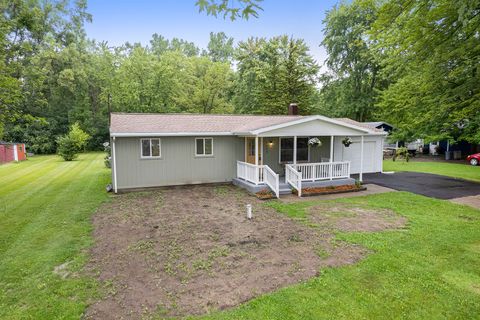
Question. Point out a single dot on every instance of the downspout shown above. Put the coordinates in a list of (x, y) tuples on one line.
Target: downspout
[(114, 166)]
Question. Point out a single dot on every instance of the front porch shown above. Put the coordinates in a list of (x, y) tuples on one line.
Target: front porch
[(286, 163)]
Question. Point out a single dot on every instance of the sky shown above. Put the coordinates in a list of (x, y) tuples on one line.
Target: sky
[(119, 21)]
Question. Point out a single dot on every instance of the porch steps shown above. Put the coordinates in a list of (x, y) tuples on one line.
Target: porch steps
[(285, 188)]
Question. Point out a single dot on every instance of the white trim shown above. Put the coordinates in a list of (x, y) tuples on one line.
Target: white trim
[(150, 156), (15, 152), (280, 150), (169, 134), (308, 119), (204, 154), (114, 166), (361, 159)]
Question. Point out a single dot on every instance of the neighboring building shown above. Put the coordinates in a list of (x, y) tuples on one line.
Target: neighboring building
[(12, 152), (380, 125), (151, 150)]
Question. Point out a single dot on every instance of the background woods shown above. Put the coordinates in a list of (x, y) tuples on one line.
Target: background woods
[(413, 64)]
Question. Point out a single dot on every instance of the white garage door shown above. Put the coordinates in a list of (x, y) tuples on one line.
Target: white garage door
[(352, 154)]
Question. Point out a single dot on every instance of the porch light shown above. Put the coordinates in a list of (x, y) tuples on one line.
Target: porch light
[(270, 143)]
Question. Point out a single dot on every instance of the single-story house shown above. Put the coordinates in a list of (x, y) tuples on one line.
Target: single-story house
[(254, 151), (10, 151)]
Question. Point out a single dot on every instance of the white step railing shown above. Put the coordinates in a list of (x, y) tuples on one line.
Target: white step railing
[(293, 178), (259, 175), (272, 179), (323, 170)]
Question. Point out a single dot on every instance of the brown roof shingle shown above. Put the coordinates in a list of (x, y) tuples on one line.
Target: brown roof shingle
[(178, 123)]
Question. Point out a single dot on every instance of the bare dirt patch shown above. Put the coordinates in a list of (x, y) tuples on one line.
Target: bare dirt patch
[(354, 218), (191, 250)]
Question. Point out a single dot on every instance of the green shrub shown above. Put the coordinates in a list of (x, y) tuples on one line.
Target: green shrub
[(69, 145)]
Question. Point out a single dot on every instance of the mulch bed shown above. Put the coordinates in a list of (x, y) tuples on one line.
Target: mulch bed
[(307, 192), (265, 194)]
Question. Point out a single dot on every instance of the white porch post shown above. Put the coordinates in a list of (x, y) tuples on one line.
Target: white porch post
[(261, 149), (361, 160), (246, 149), (331, 148), (257, 169), (330, 166), (295, 150)]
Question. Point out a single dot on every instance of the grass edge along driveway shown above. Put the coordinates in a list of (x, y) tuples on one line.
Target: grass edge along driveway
[(455, 170), (427, 271), (45, 210)]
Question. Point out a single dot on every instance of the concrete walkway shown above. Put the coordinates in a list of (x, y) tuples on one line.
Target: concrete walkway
[(371, 189)]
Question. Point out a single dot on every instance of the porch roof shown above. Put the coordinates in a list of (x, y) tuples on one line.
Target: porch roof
[(148, 124)]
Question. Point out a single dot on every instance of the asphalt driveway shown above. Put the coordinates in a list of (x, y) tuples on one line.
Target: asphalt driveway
[(430, 185)]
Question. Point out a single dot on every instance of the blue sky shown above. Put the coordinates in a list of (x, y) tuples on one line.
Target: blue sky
[(118, 21)]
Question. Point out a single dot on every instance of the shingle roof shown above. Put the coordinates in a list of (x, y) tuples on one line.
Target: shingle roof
[(159, 123), (177, 123), (365, 125)]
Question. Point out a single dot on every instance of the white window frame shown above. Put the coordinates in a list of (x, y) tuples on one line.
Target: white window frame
[(280, 151), (203, 155), (150, 156)]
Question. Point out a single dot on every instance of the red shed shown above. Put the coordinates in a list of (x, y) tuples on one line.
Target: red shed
[(12, 152)]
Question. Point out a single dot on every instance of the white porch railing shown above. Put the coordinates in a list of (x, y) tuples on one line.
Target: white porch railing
[(272, 179), (323, 170), (250, 172), (259, 175), (293, 178)]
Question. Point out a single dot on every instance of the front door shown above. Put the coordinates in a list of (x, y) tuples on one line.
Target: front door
[(251, 151)]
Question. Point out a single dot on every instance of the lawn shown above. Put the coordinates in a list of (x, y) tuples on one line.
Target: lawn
[(45, 210), (427, 271), (456, 170)]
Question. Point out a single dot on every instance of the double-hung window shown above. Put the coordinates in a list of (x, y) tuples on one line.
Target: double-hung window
[(150, 148), (203, 147), (286, 150)]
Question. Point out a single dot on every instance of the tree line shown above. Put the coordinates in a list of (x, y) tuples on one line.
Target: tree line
[(411, 63)]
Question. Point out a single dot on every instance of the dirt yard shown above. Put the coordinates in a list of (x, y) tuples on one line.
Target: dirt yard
[(191, 250)]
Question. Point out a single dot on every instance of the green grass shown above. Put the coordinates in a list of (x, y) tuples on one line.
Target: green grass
[(428, 271), (431, 270), (455, 170), (45, 210)]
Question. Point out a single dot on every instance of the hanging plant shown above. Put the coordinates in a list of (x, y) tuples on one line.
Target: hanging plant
[(314, 142), (347, 141)]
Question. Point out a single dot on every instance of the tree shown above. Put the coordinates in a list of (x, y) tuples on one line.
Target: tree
[(244, 9), (274, 73), (430, 50), (72, 143), (348, 90), (220, 47)]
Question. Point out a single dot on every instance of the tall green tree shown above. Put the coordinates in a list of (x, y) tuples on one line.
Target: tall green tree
[(273, 73), (348, 89), (431, 51), (220, 47)]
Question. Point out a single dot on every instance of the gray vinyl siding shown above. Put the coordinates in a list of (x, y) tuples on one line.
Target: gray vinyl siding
[(178, 164)]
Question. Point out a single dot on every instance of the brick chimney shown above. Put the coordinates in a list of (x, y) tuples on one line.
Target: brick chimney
[(292, 109)]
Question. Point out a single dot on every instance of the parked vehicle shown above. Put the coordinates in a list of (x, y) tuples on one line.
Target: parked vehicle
[(474, 159)]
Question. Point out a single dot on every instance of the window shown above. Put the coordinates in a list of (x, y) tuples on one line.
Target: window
[(150, 148), (203, 147), (286, 150)]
